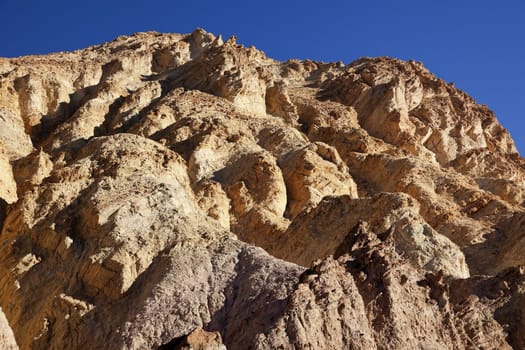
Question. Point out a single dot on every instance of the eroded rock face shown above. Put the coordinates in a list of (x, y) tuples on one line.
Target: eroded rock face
[(180, 191), (372, 298)]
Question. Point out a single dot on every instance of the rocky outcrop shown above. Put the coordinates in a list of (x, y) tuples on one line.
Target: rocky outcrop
[(178, 191), (326, 229), (372, 298)]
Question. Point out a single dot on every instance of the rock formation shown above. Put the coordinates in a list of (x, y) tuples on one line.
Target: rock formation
[(177, 191)]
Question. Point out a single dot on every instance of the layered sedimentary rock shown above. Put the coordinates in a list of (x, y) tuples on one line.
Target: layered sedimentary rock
[(178, 191)]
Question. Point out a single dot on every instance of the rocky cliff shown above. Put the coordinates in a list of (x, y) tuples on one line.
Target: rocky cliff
[(170, 191)]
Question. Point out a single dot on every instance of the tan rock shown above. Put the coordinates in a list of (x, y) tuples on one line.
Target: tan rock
[(141, 179), (313, 172), (7, 184), (278, 102), (213, 200), (32, 170), (14, 140), (7, 339)]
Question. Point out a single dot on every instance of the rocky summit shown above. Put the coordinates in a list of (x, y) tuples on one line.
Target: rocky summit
[(167, 191)]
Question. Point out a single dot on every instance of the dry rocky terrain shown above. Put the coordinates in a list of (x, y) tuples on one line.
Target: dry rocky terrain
[(167, 191)]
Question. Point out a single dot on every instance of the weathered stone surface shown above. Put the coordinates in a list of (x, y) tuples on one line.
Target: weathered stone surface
[(8, 184), (7, 339), (370, 298), (313, 172), (326, 229), (167, 190)]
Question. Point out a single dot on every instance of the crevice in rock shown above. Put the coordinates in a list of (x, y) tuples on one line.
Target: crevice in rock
[(175, 344), (128, 126), (62, 113), (3, 213), (102, 129), (198, 339)]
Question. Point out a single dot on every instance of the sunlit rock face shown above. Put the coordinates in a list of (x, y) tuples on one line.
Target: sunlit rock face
[(181, 191)]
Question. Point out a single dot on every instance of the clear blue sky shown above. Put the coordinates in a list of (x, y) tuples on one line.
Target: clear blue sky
[(479, 45)]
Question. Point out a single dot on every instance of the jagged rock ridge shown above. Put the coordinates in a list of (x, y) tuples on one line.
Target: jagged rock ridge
[(162, 184)]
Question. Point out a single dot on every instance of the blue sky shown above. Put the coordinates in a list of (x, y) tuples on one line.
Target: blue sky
[(478, 45)]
